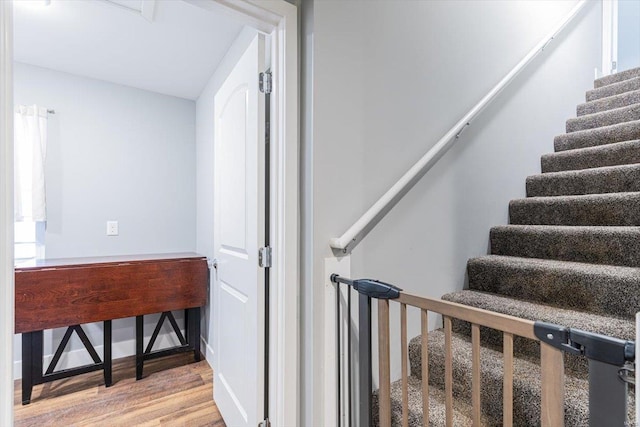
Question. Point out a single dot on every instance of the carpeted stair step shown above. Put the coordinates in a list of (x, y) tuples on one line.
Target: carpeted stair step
[(523, 347), (462, 413), (526, 383), (595, 245), (612, 89), (620, 153), (615, 78), (599, 289), (609, 103), (621, 209), (604, 118), (600, 136), (609, 179)]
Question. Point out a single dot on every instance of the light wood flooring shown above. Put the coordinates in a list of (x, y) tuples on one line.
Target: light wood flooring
[(174, 392)]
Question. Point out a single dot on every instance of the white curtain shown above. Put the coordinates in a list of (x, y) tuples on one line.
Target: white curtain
[(30, 148)]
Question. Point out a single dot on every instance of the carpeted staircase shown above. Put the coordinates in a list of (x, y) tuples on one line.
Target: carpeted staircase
[(570, 256)]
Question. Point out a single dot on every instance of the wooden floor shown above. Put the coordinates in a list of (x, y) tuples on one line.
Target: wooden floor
[(174, 392)]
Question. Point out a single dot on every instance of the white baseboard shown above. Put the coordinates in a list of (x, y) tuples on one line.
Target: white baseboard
[(208, 351)]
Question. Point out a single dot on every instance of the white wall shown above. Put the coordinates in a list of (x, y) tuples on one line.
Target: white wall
[(114, 153), (388, 80), (205, 173)]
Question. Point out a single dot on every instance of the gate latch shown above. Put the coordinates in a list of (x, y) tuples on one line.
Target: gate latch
[(601, 348)]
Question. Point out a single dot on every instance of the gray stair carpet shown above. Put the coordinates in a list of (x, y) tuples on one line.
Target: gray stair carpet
[(626, 131), (570, 256), (595, 245), (526, 381), (462, 412), (590, 209), (603, 289), (608, 179), (604, 118), (609, 103), (612, 89), (618, 77), (529, 349), (621, 153)]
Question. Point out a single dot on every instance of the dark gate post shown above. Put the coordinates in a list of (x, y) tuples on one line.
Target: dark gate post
[(364, 347), (608, 357), (607, 395)]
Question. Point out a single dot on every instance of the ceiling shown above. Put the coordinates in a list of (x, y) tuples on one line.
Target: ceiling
[(165, 46)]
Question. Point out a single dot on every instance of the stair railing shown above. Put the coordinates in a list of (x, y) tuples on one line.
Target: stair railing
[(611, 361), (388, 200)]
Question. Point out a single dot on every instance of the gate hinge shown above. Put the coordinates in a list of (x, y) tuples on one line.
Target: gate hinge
[(370, 287), (265, 82), (264, 257)]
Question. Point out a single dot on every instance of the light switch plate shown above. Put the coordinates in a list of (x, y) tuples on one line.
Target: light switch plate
[(112, 228)]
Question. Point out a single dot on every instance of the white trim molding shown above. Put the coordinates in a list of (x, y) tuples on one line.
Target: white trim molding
[(342, 267), (609, 37), (6, 213), (279, 19), (285, 396), (265, 16)]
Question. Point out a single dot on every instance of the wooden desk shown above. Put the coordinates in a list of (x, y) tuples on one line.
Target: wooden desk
[(69, 292)]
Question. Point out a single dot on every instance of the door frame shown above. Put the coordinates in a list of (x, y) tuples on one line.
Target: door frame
[(609, 37), (6, 213), (278, 19)]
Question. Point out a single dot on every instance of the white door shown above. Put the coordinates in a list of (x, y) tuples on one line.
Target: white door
[(239, 232)]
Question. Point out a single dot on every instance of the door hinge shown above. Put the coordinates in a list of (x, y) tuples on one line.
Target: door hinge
[(264, 257), (265, 82), (264, 423)]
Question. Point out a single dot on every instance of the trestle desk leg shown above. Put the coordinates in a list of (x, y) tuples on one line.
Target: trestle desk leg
[(139, 346)]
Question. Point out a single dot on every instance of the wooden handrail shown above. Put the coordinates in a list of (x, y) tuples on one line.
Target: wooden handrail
[(388, 200), (552, 360)]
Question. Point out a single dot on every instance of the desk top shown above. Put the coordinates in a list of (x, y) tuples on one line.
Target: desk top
[(51, 263), (62, 292)]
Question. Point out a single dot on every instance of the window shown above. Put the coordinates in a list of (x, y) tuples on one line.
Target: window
[(30, 146), (29, 240)]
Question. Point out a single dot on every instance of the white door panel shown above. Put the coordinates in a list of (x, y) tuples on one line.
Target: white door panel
[(232, 188), (239, 232)]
